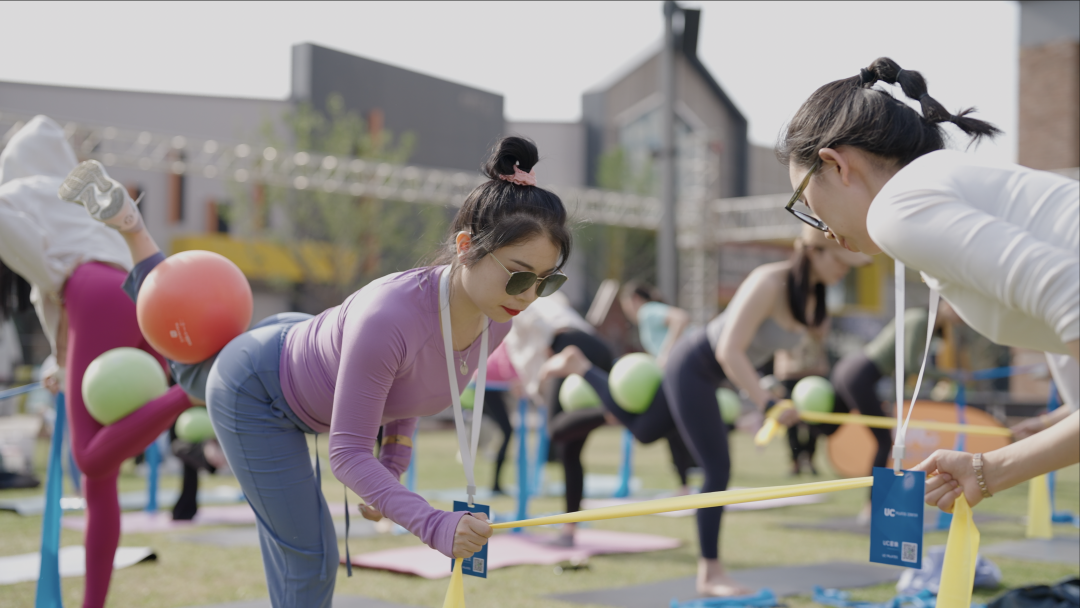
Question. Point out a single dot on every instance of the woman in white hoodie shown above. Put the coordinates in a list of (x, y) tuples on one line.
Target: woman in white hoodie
[(76, 267)]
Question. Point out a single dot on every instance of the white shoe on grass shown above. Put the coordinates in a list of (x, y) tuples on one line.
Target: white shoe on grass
[(105, 199)]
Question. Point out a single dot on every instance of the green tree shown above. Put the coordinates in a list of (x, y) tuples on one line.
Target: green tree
[(372, 237), (615, 252)]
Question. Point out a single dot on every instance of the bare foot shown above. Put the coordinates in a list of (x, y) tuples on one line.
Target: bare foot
[(722, 587), (713, 581)]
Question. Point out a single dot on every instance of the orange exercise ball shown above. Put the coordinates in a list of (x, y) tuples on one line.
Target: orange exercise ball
[(192, 304)]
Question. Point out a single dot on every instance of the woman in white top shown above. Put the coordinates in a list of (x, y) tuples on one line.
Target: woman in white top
[(1000, 242), (76, 266)]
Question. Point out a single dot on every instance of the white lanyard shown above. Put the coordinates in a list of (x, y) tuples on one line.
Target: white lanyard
[(901, 421), (468, 453)]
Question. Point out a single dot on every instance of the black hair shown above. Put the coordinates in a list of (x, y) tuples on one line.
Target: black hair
[(850, 112), (499, 213), (14, 293), (798, 289), (642, 290)]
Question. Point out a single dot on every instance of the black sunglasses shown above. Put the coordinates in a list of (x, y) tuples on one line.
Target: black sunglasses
[(520, 282), (806, 217)]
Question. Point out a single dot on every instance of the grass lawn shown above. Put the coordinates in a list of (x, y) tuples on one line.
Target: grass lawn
[(188, 574)]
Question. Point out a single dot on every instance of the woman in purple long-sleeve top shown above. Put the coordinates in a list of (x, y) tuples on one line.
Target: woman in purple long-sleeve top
[(377, 360)]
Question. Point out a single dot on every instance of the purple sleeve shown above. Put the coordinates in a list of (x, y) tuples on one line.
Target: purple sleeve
[(395, 457), (364, 378)]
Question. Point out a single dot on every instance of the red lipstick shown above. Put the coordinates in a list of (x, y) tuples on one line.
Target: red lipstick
[(511, 311)]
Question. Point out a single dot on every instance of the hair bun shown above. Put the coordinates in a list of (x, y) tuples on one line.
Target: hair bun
[(507, 153)]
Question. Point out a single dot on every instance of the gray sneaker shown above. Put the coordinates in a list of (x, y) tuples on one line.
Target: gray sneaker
[(105, 199)]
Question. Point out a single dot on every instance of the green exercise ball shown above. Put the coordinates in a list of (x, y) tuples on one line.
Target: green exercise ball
[(468, 397), (120, 381), (576, 394), (634, 381), (730, 405), (813, 394), (193, 426)]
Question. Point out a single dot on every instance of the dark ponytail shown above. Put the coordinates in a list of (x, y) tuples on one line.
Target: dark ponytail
[(499, 213), (850, 112), (798, 289)]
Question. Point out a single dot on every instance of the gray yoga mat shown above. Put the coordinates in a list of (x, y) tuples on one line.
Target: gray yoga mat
[(340, 601), (1056, 551), (129, 501), (784, 580), (248, 536)]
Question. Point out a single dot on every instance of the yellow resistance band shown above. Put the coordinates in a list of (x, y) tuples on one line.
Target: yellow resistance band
[(958, 571), (695, 501), (772, 428)]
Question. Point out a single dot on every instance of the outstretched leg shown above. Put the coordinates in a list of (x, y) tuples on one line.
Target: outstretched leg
[(101, 318)]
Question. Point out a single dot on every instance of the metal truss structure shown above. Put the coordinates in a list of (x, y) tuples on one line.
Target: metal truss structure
[(703, 224)]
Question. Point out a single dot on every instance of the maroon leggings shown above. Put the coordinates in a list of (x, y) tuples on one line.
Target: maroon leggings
[(101, 317)]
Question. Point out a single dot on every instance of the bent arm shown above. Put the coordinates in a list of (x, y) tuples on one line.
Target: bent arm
[(754, 301), (1055, 448), (372, 351), (677, 321), (1050, 450)]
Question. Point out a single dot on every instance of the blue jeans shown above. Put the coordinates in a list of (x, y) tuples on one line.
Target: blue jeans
[(266, 446)]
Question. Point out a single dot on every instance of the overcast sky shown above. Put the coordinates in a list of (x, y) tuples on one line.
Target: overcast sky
[(541, 57)]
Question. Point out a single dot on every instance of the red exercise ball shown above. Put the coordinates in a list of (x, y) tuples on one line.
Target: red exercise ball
[(192, 304)]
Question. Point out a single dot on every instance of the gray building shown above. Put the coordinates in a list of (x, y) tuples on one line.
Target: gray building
[(624, 114), (455, 125)]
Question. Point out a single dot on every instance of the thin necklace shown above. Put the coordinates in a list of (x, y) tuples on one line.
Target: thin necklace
[(464, 368)]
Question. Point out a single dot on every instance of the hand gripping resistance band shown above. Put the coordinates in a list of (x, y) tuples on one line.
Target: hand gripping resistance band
[(957, 576)]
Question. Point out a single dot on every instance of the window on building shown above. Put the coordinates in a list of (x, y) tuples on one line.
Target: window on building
[(641, 142)]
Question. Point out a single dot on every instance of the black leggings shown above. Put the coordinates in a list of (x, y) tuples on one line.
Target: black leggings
[(495, 407), (855, 378), (570, 430), (690, 382), (648, 426)]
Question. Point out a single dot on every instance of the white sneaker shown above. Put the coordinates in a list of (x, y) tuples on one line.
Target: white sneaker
[(105, 199)]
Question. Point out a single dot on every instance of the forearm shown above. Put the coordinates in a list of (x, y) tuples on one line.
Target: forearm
[(741, 372), (362, 473), (1050, 450)]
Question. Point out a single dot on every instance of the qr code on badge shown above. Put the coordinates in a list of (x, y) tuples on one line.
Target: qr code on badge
[(478, 565), (909, 552)]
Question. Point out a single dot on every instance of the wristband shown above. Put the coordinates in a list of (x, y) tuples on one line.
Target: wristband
[(977, 463)]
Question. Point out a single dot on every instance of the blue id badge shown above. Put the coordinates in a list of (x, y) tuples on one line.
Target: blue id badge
[(896, 520), (477, 564)]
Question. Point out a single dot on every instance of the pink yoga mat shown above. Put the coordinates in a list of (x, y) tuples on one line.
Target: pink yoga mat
[(507, 549)]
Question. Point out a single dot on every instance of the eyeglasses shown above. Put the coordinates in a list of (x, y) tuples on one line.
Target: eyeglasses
[(520, 282), (806, 217)]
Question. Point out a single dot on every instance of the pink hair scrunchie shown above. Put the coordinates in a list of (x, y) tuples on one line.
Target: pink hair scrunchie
[(520, 177)]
